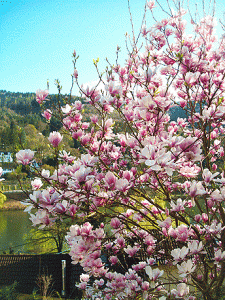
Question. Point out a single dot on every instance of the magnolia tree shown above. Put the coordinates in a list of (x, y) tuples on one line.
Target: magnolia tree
[(154, 191)]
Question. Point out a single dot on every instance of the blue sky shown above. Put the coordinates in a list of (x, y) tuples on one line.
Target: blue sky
[(38, 38)]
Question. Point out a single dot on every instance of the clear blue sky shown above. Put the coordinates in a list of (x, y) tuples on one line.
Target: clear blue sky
[(37, 39)]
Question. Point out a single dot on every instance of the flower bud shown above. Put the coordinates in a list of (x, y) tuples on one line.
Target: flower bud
[(55, 138), (75, 74)]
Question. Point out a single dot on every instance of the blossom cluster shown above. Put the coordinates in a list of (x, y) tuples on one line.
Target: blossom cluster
[(153, 183)]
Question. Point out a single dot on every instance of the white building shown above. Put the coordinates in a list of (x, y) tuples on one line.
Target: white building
[(5, 171), (6, 157)]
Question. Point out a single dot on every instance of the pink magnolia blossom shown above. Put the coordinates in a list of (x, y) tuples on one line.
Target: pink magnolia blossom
[(113, 260), (191, 78), (82, 285), (196, 188), (121, 242), (61, 208), (110, 179), (145, 285), (205, 217), (78, 105), (41, 218), (198, 218), (41, 95), (24, 157), (75, 73), (190, 172), (45, 173), (47, 114), (55, 138), (166, 223), (115, 223), (131, 251), (151, 4)]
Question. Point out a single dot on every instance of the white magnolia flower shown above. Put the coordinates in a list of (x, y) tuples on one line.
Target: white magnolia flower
[(153, 274), (214, 228), (84, 277), (66, 109), (219, 256), (147, 102), (45, 173), (186, 268), (179, 254), (1, 171), (121, 184), (181, 291), (179, 206), (195, 247), (208, 176), (36, 183)]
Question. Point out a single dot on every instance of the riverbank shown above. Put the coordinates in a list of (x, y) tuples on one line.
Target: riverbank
[(12, 205), (13, 201)]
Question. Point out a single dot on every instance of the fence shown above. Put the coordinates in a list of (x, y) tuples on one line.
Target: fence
[(25, 269)]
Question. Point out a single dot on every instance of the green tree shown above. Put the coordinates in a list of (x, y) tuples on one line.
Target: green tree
[(36, 141), (22, 138), (2, 198), (14, 137), (47, 240)]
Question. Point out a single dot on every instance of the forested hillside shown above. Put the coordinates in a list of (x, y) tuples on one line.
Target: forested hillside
[(23, 126)]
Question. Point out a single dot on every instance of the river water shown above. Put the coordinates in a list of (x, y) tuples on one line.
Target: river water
[(14, 226), (18, 234)]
